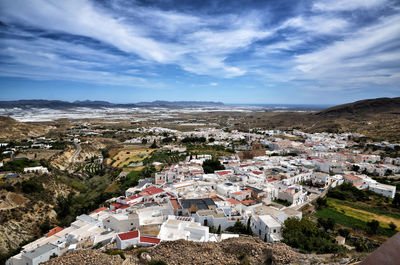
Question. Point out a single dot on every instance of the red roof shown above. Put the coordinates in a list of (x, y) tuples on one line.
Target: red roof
[(221, 173), (151, 190), (232, 201), (129, 235), (134, 197), (248, 202), (54, 231), (99, 210), (257, 172), (151, 240)]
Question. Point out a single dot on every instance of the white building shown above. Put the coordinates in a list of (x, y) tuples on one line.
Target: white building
[(127, 239), (40, 254), (383, 189), (38, 169), (177, 227), (266, 227)]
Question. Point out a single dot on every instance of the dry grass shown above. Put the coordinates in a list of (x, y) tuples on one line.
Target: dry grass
[(127, 156)]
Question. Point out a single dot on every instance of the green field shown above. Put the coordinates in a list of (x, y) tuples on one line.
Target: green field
[(347, 214)]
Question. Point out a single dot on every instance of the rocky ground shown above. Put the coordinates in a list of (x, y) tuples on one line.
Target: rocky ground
[(86, 257), (21, 215), (243, 250)]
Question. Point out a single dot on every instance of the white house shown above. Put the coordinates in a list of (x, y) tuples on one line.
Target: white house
[(266, 227), (38, 169), (383, 189), (127, 239), (40, 254), (177, 227)]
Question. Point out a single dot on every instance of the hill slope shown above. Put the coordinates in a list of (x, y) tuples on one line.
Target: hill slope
[(12, 129), (363, 108), (378, 119)]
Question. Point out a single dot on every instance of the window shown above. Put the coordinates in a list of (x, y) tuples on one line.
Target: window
[(274, 230)]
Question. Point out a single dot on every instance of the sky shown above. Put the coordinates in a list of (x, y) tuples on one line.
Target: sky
[(272, 52)]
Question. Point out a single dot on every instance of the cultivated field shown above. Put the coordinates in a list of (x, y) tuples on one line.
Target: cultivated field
[(124, 157)]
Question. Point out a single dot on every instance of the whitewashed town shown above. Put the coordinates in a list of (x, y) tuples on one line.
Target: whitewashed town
[(274, 176)]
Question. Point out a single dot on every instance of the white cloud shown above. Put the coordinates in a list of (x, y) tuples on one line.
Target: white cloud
[(199, 47), (347, 5), (213, 84), (317, 24), (370, 55)]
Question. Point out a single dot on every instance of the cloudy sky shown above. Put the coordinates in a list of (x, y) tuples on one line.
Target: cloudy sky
[(312, 52)]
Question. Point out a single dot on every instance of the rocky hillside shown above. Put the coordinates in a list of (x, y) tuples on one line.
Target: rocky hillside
[(378, 119), (231, 251), (242, 250), (86, 257), (13, 130), (363, 108), (23, 214)]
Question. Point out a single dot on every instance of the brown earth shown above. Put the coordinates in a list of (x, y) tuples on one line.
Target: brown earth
[(85, 257), (14, 130)]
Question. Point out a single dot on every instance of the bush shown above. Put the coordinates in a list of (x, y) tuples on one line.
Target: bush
[(321, 202), (239, 228), (392, 226), (347, 191), (117, 252), (31, 186), (327, 224), (344, 232), (373, 226)]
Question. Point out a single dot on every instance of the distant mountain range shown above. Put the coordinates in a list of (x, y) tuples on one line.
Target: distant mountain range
[(59, 104)]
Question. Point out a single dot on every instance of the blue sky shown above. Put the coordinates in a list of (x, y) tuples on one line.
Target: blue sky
[(292, 52)]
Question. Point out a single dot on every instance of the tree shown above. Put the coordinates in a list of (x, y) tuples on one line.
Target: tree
[(45, 226), (154, 144), (344, 232), (355, 168), (147, 172), (144, 141), (211, 165), (392, 226), (321, 202), (248, 228), (396, 201), (305, 235), (373, 226), (219, 230), (327, 224)]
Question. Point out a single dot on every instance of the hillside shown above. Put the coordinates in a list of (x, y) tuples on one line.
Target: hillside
[(12, 129), (378, 119), (242, 250), (363, 108)]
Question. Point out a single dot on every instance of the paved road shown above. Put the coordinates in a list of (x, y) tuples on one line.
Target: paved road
[(78, 150)]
